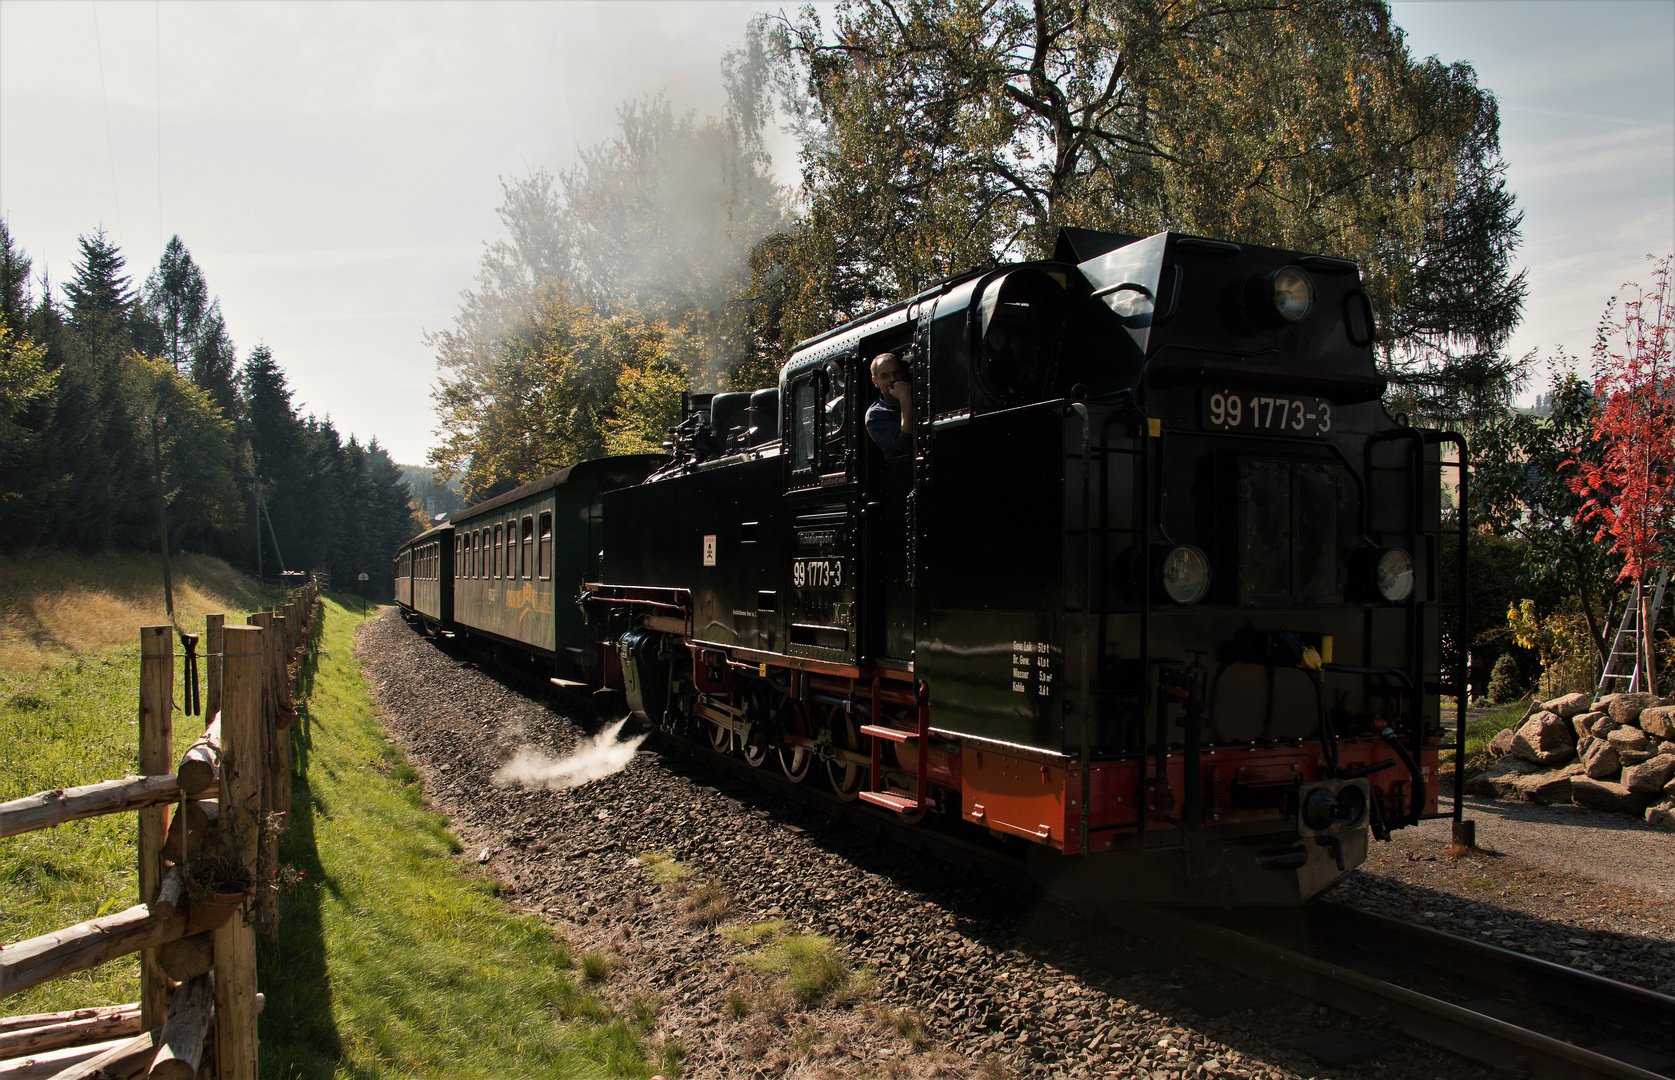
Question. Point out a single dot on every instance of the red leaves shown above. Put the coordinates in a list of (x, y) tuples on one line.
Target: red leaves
[(1631, 490)]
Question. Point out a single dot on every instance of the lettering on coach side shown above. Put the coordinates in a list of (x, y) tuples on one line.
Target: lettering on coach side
[(1033, 668)]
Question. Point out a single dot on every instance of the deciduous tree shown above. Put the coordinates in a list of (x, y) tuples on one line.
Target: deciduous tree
[(1630, 491), (941, 134)]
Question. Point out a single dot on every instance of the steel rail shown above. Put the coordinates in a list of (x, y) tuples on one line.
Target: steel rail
[(1553, 983), (1440, 1023)]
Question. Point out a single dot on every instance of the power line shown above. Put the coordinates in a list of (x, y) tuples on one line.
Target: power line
[(110, 144)]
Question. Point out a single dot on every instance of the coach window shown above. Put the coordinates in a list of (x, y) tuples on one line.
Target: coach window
[(494, 557), (475, 539), (526, 558), (544, 550)]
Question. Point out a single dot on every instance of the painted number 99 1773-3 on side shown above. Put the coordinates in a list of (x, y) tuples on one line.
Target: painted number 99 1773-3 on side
[(817, 573), (1266, 413)]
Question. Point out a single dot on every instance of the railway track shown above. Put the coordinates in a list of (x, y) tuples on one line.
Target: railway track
[(1329, 953), (1268, 949)]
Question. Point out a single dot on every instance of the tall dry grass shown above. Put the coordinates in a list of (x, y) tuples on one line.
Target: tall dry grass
[(58, 606)]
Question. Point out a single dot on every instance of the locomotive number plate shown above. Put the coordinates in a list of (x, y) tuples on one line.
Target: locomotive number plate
[(817, 573), (1228, 410)]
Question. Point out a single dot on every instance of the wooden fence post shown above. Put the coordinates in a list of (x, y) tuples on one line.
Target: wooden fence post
[(156, 759), (214, 645), (267, 852), (241, 798)]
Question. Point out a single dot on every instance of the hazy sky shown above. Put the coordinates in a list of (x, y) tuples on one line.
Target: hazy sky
[(335, 168)]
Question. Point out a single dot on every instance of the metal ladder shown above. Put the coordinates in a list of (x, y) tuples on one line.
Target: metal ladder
[(1626, 642)]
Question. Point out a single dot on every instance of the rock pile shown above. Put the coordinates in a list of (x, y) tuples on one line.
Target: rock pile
[(1618, 755)]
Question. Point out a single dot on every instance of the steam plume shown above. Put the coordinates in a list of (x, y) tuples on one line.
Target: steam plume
[(595, 758)]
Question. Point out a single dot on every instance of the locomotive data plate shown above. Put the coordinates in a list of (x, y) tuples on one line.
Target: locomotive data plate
[(1266, 413), (817, 573)]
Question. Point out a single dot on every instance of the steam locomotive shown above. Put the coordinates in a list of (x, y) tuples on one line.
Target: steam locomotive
[(1159, 592)]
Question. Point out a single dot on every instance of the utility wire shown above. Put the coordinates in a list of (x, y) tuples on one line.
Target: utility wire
[(110, 144)]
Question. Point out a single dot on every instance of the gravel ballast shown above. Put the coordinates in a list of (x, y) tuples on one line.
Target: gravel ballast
[(954, 976)]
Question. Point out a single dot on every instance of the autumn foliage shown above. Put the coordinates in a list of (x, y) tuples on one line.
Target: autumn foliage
[(1630, 490)]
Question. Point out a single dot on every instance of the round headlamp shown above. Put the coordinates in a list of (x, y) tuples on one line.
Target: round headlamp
[(1393, 574), (1184, 574), (1293, 294)]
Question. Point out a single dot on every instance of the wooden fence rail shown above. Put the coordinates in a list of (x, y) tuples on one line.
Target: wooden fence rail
[(219, 809)]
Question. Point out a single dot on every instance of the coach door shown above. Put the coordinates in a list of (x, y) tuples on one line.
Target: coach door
[(819, 589)]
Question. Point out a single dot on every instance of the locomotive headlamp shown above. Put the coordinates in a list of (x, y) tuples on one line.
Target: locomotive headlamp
[(1393, 574), (1293, 294), (1185, 574)]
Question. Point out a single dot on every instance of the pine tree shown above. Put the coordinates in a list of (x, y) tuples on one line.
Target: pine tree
[(214, 361), (14, 280), (177, 303)]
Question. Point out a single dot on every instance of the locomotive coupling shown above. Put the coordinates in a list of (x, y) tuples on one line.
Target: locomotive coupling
[(1333, 813)]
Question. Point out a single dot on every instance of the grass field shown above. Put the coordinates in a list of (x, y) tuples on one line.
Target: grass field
[(69, 700), (391, 959)]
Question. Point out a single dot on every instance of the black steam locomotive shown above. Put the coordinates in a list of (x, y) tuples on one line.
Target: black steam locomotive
[(1157, 591)]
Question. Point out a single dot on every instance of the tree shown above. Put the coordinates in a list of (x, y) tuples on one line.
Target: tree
[(101, 296), (573, 385), (215, 361), (1522, 487), (176, 303), (949, 133), (1630, 491), (14, 280), (620, 276)]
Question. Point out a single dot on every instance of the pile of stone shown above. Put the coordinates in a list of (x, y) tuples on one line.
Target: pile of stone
[(1618, 754)]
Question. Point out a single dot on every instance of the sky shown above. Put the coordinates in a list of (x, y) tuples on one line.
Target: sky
[(335, 168)]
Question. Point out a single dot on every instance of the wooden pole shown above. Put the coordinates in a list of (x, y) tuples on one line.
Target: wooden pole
[(156, 759), (45, 809), (269, 718), (183, 1034), (213, 646), (198, 765), (241, 773), (162, 516), (281, 796), (88, 944), (58, 1030)]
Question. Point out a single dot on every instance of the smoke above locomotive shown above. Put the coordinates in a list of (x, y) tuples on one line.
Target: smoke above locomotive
[(1154, 596)]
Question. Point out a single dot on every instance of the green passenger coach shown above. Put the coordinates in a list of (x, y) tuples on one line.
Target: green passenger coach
[(519, 560)]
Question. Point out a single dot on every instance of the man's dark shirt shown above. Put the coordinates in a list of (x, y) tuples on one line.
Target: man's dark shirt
[(884, 425)]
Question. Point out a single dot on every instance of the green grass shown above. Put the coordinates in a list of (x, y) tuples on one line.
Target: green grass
[(393, 959), (1479, 732), (803, 967), (663, 867), (62, 725)]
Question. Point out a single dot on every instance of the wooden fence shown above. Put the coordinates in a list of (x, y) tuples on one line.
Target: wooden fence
[(208, 854)]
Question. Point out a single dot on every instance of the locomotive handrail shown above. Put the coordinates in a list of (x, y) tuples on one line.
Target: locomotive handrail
[(1462, 579)]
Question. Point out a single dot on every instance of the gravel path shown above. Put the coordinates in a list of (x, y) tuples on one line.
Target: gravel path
[(1612, 848), (957, 977)]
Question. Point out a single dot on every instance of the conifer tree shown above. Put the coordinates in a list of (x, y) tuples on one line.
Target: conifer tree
[(176, 304)]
